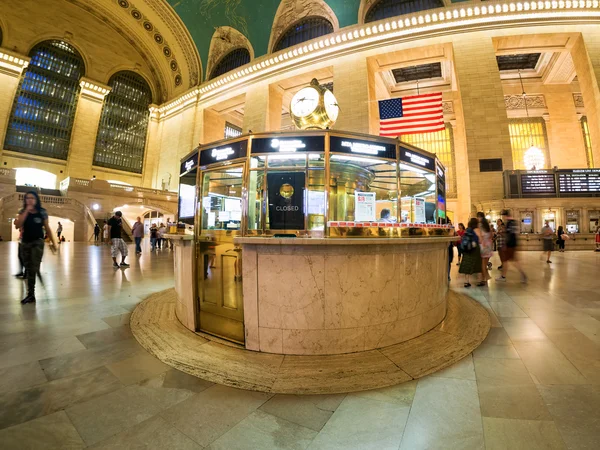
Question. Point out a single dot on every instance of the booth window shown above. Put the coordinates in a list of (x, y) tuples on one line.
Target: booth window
[(587, 140), (232, 60), (350, 176), (43, 111), (232, 131), (302, 31), (392, 8), (441, 143), (124, 123), (523, 134)]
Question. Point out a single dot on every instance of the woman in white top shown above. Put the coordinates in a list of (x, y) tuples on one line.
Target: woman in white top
[(105, 232)]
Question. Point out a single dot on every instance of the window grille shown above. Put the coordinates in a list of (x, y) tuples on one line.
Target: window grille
[(391, 8), (523, 134), (123, 126), (232, 131), (43, 111), (232, 60), (587, 139), (302, 31), (442, 144)]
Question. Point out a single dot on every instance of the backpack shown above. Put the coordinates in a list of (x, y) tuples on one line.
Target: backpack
[(469, 242), (511, 235)]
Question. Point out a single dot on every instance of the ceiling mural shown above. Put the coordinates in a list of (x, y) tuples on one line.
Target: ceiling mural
[(253, 18)]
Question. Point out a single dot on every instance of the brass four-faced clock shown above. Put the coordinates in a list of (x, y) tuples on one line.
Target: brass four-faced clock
[(314, 107)]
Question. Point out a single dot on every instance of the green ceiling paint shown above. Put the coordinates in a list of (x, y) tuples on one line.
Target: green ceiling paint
[(254, 18)]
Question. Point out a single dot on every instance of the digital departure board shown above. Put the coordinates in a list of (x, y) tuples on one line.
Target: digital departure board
[(579, 181), (538, 183)]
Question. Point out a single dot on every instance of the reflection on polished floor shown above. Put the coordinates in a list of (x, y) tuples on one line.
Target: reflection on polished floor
[(72, 376)]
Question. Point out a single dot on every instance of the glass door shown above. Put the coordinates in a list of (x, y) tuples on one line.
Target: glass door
[(220, 261)]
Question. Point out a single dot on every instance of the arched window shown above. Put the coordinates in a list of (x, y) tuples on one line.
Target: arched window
[(232, 60), (124, 122), (302, 31), (44, 108), (391, 8)]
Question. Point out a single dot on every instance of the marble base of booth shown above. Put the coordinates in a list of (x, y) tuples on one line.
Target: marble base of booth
[(156, 328)]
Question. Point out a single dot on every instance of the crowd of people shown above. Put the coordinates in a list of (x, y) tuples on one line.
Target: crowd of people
[(477, 243)]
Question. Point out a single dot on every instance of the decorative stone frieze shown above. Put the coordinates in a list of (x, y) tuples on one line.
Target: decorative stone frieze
[(578, 100), (12, 63), (93, 90), (518, 102), (448, 107)]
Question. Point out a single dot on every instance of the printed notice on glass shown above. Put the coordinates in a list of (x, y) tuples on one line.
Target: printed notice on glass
[(419, 210), (365, 207)]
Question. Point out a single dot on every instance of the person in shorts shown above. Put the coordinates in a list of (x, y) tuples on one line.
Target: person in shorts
[(548, 240), (117, 244), (509, 247)]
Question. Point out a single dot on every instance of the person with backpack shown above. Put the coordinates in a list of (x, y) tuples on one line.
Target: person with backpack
[(509, 247), (471, 260)]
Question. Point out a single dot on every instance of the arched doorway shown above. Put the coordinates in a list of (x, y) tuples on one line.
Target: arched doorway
[(27, 176)]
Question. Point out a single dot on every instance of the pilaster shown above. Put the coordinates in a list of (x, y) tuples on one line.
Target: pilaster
[(262, 111), (152, 153), (11, 67), (483, 114), (85, 128)]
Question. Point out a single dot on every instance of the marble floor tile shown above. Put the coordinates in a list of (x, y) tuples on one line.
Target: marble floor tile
[(547, 364), (211, 413), (363, 423), (44, 349), (512, 402), (507, 309), (118, 320), (401, 394), (497, 336), (23, 376), (137, 368), (105, 337), (51, 432), (510, 434), (171, 387), (107, 415), (152, 434), (463, 370), (21, 406), (299, 410), (445, 414), (502, 372), (576, 412), (86, 360), (263, 431), (522, 329), (496, 352)]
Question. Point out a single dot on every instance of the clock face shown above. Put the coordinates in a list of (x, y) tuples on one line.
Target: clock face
[(305, 102), (331, 105)]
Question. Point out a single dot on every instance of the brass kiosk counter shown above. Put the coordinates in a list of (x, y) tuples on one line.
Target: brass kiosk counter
[(315, 242)]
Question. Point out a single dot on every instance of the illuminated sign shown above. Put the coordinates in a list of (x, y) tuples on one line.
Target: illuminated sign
[(371, 148), (313, 144), (189, 164), (538, 182), (417, 159), (220, 154), (287, 145), (227, 152), (579, 182)]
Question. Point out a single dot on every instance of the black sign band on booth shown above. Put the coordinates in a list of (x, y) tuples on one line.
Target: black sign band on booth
[(189, 164), (362, 148), (417, 159), (313, 144), (226, 152)]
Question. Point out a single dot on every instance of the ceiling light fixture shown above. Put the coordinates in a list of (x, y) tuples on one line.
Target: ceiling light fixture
[(533, 158)]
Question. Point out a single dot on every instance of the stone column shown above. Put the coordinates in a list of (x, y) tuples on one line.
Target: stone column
[(262, 111), (565, 138), (586, 57), (214, 126), (85, 128), (354, 89), (11, 68), (152, 153), (461, 160), (483, 113)]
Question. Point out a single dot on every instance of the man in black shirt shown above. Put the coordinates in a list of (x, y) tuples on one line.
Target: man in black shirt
[(118, 245)]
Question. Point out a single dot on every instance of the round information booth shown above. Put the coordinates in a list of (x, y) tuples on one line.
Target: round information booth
[(312, 243)]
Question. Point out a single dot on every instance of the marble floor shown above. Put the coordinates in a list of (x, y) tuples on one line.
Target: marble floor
[(72, 376)]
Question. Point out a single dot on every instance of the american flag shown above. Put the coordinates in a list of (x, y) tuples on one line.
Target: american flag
[(411, 115)]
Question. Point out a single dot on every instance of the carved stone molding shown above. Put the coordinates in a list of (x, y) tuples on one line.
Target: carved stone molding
[(93, 90), (578, 100), (12, 63), (225, 40), (448, 107), (291, 11), (517, 101)]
